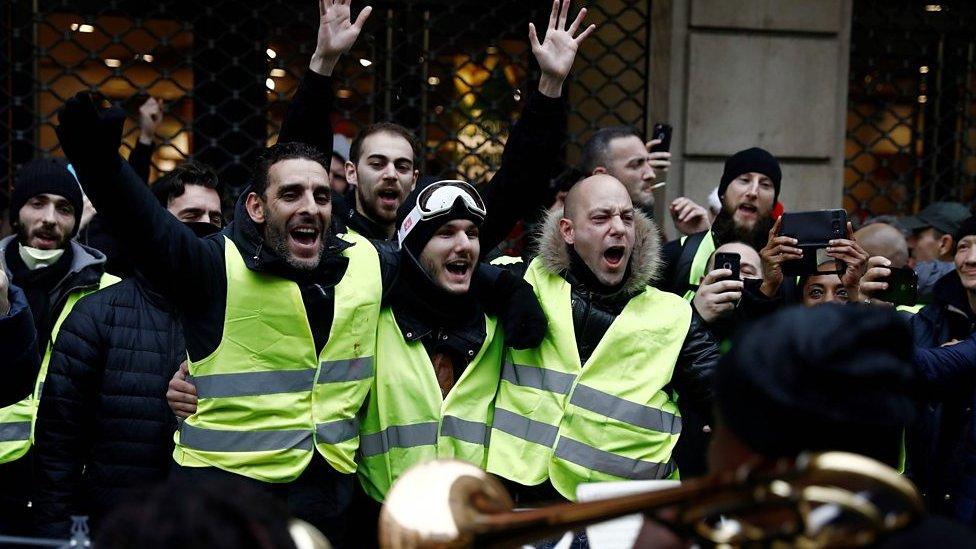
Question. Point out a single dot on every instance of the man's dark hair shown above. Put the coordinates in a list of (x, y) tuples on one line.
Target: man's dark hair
[(173, 184), (382, 127), (596, 151), (279, 152)]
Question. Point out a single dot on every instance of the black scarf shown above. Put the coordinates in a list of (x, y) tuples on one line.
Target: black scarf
[(425, 301)]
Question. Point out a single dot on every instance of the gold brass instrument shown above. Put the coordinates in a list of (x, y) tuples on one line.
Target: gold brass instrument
[(830, 499)]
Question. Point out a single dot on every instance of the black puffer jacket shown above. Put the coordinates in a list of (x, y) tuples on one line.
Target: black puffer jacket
[(104, 431)]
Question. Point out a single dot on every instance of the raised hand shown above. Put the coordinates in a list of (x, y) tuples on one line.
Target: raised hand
[(150, 117), (90, 135), (874, 280), (557, 51), (337, 33), (777, 250), (688, 216), (718, 295), (855, 260)]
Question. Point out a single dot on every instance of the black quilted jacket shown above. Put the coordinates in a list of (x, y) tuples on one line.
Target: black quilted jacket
[(104, 431)]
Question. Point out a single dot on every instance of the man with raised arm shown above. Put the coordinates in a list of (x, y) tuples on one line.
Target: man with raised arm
[(383, 158)]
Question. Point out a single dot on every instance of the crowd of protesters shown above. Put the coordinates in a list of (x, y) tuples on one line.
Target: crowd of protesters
[(358, 317)]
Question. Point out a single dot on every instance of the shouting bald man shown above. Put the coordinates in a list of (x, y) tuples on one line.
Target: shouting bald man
[(594, 402)]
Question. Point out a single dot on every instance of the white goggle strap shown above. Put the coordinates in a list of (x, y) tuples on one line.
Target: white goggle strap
[(409, 223)]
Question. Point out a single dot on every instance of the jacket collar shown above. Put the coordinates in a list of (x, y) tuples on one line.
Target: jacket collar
[(645, 259), (415, 328), (950, 293)]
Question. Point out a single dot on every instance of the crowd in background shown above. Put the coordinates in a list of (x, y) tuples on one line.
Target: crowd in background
[(347, 316)]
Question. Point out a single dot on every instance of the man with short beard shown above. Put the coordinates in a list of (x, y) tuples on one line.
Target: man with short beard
[(54, 272), (748, 190), (594, 401), (382, 164)]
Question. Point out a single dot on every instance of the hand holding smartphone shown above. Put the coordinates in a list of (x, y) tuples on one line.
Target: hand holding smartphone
[(730, 261), (902, 287), (662, 132)]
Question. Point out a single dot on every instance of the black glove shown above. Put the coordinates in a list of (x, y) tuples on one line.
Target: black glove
[(511, 299), (90, 136)]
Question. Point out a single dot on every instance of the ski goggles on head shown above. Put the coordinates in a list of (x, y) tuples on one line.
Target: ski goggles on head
[(438, 199)]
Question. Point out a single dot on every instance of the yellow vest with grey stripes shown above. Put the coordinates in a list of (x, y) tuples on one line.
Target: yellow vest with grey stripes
[(407, 421), (265, 399), (610, 419), (17, 420)]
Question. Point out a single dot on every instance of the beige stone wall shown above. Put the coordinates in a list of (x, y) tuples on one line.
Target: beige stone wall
[(734, 74)]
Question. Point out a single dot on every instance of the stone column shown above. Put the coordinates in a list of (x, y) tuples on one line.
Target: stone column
[(767, 73)]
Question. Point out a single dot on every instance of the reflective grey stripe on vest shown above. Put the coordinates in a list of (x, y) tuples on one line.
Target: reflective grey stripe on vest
[(213, 440), (335, 432), (525, 428), (19, 430), (398, 436), (610, 463), (538, 378), (462, 429), (352, 369), (625, 411), (254, 383)]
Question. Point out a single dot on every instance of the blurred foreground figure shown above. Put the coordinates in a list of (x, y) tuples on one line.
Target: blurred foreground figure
[(214, 514), (831, 378)]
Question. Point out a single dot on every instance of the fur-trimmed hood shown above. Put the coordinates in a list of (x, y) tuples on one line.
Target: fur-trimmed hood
[(645, 258)]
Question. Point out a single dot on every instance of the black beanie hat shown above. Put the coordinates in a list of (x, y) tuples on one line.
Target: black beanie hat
[(751, 160), (966, 228), (417, 239), (831, 377), (40, 176)]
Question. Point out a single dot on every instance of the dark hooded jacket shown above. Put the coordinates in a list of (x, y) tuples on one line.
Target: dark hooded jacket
[(941, 457)]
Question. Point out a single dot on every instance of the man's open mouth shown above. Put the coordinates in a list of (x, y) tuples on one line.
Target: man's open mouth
[(305, 236), (389, 196), (458, 267), (750, 209), (614, 256), (44, 239)]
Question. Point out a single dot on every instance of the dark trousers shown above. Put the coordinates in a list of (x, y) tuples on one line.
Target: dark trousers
[(321, 496), (16, 518)]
